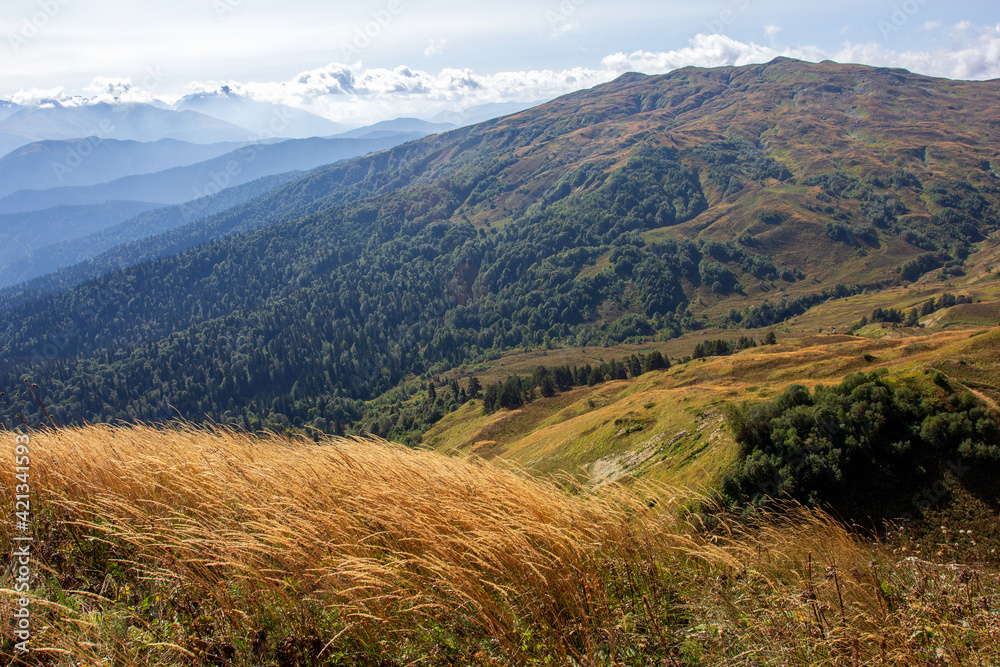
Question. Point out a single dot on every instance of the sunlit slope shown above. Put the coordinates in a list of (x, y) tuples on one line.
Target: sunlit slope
[(669, 425), (640, 210), (180, 546)]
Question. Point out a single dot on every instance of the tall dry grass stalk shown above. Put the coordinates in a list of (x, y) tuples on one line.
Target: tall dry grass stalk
[(796, 587), (181, 545), (386, 542)]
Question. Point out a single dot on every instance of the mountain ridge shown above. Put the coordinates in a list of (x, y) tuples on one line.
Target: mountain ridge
[(257, 117), (184, 183), (126, 121), (642, 209), (43, 165), (160, 231)]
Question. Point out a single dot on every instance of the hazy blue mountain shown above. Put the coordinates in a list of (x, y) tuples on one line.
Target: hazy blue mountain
[(483, 112), (634, 210), (138, 122), (261, 118), (50, 164), (8, 108), (148, 235), (182, 184), (24, 233), (389, 127)]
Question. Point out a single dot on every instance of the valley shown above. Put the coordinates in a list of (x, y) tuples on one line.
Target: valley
[(614, 379)]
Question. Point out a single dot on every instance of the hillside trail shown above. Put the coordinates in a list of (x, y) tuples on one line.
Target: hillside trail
[(978, 394)]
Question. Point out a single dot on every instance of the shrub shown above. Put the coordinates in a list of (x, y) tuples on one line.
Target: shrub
[(862, 447), (917, 267), (772, 216)]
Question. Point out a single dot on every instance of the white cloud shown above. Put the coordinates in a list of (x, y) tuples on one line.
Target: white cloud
[(436, 47), (101, 90), (932, 25), (560, 19), (38, 97), (975, 55), (352, 93), (705, 51), (113, 90)]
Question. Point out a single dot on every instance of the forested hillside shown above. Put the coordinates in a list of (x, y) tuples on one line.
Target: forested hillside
[(163, 231), (52, 164), (644, 208), (26, 233), (250, 161)]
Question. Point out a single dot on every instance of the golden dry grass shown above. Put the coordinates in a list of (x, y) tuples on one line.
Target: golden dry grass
[(798, 589), (169, 546), (383, 540)]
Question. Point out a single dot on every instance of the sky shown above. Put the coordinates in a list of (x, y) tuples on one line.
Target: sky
[(369, 60)]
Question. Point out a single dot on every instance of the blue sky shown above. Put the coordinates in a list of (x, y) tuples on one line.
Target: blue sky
[(372, 59)]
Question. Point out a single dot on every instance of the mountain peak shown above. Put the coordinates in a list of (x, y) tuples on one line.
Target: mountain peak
[(279, 120)]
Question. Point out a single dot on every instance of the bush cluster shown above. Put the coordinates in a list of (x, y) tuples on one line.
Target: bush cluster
[(863, 447)]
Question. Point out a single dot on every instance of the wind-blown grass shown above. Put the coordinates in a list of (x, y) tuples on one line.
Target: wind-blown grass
[(169, 546)]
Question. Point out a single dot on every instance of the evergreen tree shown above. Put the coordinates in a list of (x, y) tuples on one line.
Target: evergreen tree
[(475, 388), (654, 361)]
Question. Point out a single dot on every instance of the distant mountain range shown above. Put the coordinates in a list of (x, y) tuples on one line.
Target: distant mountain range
[(83, 254), (8, 109), (483, 112), (136, 122), (23, 234), (388, 127), (45, 231), (205, 118), (260, 118), (89, 161), (182, 184), (647, 207), (64, 200)]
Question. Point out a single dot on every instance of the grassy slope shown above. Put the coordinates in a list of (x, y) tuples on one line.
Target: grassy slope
[(813, 118), (179, 546), (682, 439), (667, 425)]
